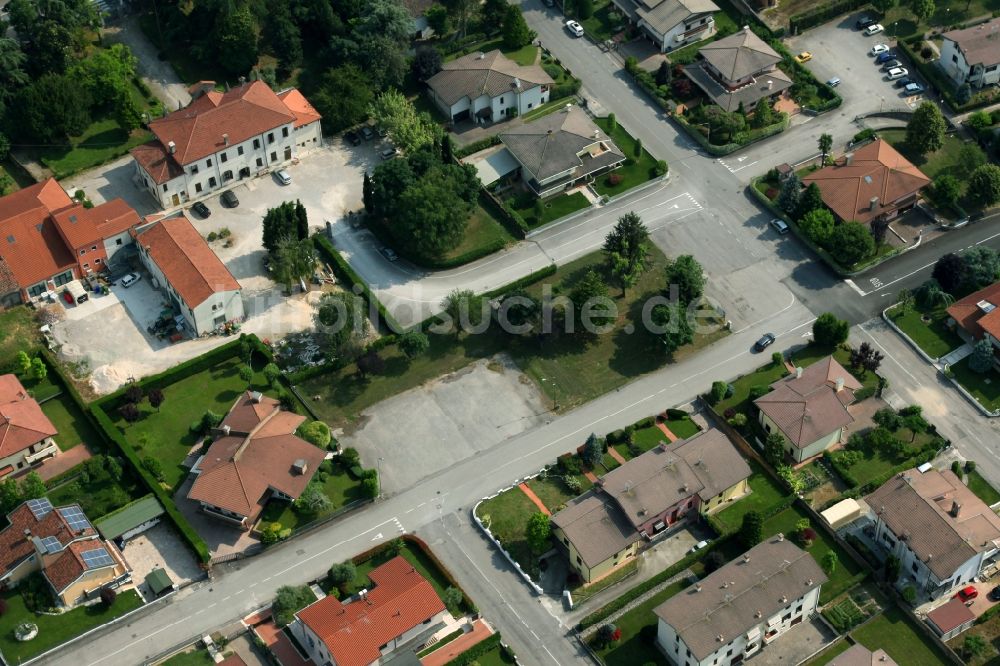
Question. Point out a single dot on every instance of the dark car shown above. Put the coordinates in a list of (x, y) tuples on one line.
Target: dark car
[(864, 22), (229, 199), (891, 64), (994, 594), (388, 253), (353, 137), (367, 133), (903, 82), (766, 341), (884, 57), (201, 209)]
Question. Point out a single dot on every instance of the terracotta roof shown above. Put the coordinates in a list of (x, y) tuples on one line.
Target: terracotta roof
[(81, 226), (876, 170), (296, 102), (918, 507), (233, 660), (8, 283), (979, 44), (157, 162), (951, 615), (810, 407), (237, 471), (248, 411), (596, 527), (976, 319), (859, 655), (242, 113), (187, 262), (478, 74), (30, 244), (740, 55), (66, 567), (354, 632), (22, 422), (777, 573), (15, 546)]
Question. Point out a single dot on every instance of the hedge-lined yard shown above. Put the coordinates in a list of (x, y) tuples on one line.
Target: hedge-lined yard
[(639, 167), (933, 336), (765, 494)]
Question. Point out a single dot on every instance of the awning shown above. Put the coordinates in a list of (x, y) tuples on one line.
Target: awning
[(491, 168)]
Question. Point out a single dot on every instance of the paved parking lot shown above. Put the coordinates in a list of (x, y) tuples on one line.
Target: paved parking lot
[(161, 547)]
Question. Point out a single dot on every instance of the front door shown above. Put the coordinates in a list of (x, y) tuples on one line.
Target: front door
[(175, 200)]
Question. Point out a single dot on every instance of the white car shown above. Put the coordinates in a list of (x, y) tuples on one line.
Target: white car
[(897, 73), (574, 28), (283, 177), (698, 546), (874, 29), (130, 280), (879, 49)]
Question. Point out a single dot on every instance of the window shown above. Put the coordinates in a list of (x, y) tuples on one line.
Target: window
[(288, 152), (211, 181), (194, 169), (992, 68), (954, 57), (565, 541), (274, 157), (502, 101), (197, 187), (260, 162), (164, 187), (97, 261), (239, 150), (83, 252), (270, 137), (93, 248), (118, 241), (63, 278), (228, 175), (86, 265), (36, 290), (529, 106), (312, 643), (223, 157), (284, 131), (208, 162), (256, 144), (578, 560), (914, 567)]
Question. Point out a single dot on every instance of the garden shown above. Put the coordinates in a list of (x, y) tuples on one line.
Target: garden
[(766, 495), (336, 479), (536, 212), (984, 387), (980, 487), (927, 328), (639, 166)]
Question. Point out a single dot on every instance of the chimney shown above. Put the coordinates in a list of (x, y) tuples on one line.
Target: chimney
[(873, 204), (784, 599), (798, 372), (697, 587), (781, 536), (243, 80), (171, 147), (225, 139), (516, 83), (848, 159), (746, 557), (956, 508), (480, 56), (719, 638), (567, 107), (255, 397), (299, 467), (809, 582), (840, 384), (597, 134), (770, 84), (226, 430), (200, 88), (759, 614)]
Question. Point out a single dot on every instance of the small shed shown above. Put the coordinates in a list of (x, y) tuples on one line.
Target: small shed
[(158, 581), (843, 513), (951, 619), (130, 520)]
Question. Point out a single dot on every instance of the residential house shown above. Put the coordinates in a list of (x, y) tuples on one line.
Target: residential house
[(976, 316), (560, 150), (859, 655), (222, 137), (255, 457), (739, 69), (671, 24), (972, 55), (487, 87), (400, 606), (198, 283), (651, 494), (741, 608), (64, 547), (950, 619), (130, 520), (942, 534), (25, 432), (47, 240), (809, 408), (874, 183)]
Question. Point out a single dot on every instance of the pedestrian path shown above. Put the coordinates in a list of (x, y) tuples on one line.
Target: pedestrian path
[(534, 498), (666, 431), (617, 456)]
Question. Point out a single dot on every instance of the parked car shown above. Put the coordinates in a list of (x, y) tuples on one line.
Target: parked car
[(353, 137), (864, 22), (388, 253), (779, 225), (994, 594), (878, 49), (891, 64), (903, 82), (967, 594), (229, 199), (873, 29), (367, 133), (698, 546), (388, 153), (897, 73), (574, 28), (130, 280), (805, 56), (884, 57), (283, 177), (765, 341), (834, 82), (913, 88), (200, 208)]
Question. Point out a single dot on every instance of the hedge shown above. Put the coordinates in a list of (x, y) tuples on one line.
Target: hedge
[(814, 16), (504, 214), (346, 274), (476, 651), (526, 281), (476, 146)]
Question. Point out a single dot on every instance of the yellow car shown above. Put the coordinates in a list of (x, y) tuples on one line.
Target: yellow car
[(805, 56)]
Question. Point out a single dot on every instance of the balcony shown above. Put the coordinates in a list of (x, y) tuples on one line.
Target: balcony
[(45, 452)]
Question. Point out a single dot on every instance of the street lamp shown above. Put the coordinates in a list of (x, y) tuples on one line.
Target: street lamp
[(881, 101)]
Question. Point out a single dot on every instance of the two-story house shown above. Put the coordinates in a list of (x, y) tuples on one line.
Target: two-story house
[(94, 235), (255, 457), (809, 408), (739, 69), (972, 55), (671, 24), (977, 317), (741, 608), (63, 545), (560, 150), (488, 87), (649, 495), (400, 607), (941, 532), (223, 137), (25, 432)]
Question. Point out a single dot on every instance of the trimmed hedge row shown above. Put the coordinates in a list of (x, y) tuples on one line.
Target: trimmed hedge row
[(526, 281), (856, 489), (346, 274), (477, 650), (814, 16), (476, 146), (511, 220)]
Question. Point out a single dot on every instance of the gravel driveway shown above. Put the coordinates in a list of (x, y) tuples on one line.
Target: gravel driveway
[(156, 73)]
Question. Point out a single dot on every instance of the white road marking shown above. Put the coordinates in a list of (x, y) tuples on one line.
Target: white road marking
[(890, 356)]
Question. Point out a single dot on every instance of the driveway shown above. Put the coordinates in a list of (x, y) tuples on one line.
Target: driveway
[(112, 181), (161, 547), (798, 643), (156, 73), (221, 538)]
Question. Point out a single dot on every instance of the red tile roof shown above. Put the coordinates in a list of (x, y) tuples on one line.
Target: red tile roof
[(353, 633), (876, 170), (247, 413), (22, 422), (976, 320), (81, 226), (950, 616), (15, 547), (296, 102), (233, 660), (155, 160), (30, 244), (8, 283), (187, 262), (67, 566)]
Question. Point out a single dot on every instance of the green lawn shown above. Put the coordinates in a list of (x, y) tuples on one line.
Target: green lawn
[(984, 387), (635, 171), (945, 159), (547, 108), (765, 493), (18, 332), (982, 488), (605, 22), (73, 426), (876, 465), (892, 632), (495, 657), (483, 235), (740, 399), (99, 494), (339, 487), (553, 207), (551, 490), (54, 630), (934, 336), (441, 643), (632, 650), (506, 515), (648, 438), (683, 428), (827, 655), (196, 657)]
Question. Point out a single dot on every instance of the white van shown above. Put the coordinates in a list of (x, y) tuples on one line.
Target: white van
[(76, 290)]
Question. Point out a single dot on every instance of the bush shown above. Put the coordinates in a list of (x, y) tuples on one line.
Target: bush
[(718, 392), (108, 596), (956, 469), (970, 466), (615, 179), (759, 390), (316, 433), (676, 414), (349, 458), (863, 135)]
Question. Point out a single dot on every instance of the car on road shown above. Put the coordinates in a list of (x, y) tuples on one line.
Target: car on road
[(367, 134), (967, 594), (891, 64), (765, 341), (388, 253), (574, 28), (879, 49), (874, 29), (388, 153), (863, 22), (353, 137), (229, 199), (698, 546), (897, 73), (130, 280), (913, 88), (805, 56), (283, 177), (884, 57), (779, 225), (834, 82), (200, 208)]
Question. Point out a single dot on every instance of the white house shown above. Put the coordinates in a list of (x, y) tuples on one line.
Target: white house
[(942, 534), (223, 137), (736, 611), (972, 55), (672, 24), (198, 283), (487, 87)]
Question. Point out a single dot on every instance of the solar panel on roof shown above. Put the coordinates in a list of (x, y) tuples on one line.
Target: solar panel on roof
[(51, 544), (40, 507), (75, 518), (99, 557)]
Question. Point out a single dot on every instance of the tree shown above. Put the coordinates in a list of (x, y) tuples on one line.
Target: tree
[(341, 575), (129, 412), (370, 486), (465, 308), (301, 221), (970, 157), (916, 424), (32, 487), (289, 600), (663, 75), (51, 108), (888, 418), (293, 260), (592, 303), (811, 199), (537, 531), (108, 597), (584, 9), (925, 131), (413, 343), (593, 451), (637, 149), (283, 38), (626, 249), (156, 398), (462, 11), (388, 19), (950, 273), (974, 645), (828, 331), (340, 318), (281, 223), (829, 562), (981, 360), (923, 9), (432, 219), (236, 35), (316, 433), (408, 129), (271, 373), (453, 597), (752, 529), (370, 363), (427, 61), (438, 20), (313, 500), (883, 6), (947, 189), (10, 495), (818, 225), (676, 325), (892, 568), (687, 274), (24, 362), (982, 267), (515, 31), (906, 299), (763, 114), (851, 242), (866, 358), (447, 156), (612, 122), (774, 449), (984, 185), (153, 466), (366, 193), (825, 144), (38, 368), (790, 194), (605, 635), (246, 374), (492, 13), (342, 97), (714, 561)]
